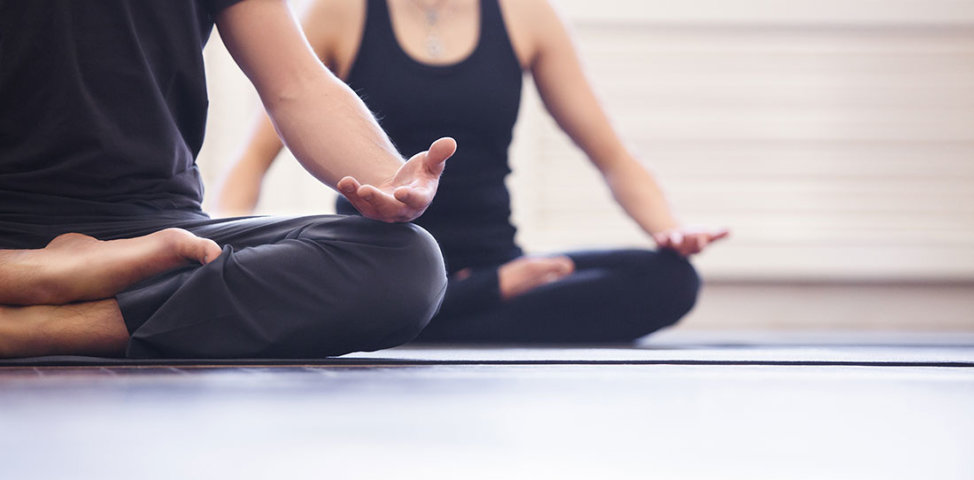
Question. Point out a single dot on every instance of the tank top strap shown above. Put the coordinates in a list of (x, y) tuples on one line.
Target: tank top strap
[(491, 18), (494, 34), (378, 25)]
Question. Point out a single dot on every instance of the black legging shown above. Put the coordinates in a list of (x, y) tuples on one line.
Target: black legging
[(283, 287), (613, 296)]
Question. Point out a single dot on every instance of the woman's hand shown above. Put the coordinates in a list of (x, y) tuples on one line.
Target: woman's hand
[(527, 273), (406, 195), (689, 240)]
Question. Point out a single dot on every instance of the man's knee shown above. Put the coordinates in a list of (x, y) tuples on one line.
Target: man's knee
[(402, 259), (396, 283), (410, 289)]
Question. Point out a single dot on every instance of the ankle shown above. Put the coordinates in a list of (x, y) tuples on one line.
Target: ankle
[(90, 328), (4, 335)]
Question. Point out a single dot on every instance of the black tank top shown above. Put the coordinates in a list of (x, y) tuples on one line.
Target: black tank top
[(474, 101)]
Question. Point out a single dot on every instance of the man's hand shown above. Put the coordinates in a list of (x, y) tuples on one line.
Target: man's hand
[(689, 240), (406, 195)]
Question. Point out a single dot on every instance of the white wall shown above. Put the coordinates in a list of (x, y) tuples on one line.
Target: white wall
[(835, 137)]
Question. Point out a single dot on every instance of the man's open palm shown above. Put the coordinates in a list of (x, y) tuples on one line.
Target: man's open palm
[(406, 195)]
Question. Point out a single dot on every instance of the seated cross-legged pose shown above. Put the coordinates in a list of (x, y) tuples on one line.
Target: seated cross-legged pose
[(104, 249), (429, 67)]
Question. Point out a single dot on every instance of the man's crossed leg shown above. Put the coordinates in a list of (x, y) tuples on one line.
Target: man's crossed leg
[(58, 299), (293, 287)]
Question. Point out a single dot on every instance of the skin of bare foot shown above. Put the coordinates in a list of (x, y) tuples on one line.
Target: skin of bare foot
[(75, 267), (463, 274), (527, 273)]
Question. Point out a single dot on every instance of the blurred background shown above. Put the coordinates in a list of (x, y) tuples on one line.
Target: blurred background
[(834, 137)]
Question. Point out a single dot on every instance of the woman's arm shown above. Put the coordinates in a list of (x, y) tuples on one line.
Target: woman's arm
[(240, 188), (325, 125), (569, 98)]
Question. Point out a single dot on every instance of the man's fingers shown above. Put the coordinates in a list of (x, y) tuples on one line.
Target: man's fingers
[(407, 195), (442, 149), (373, 196), (348, 185), (438, 153), (414, 197), (366, 192), (365, 198), (403, 194)]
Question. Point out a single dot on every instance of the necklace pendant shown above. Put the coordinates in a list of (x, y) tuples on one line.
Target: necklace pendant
[(434, 47)]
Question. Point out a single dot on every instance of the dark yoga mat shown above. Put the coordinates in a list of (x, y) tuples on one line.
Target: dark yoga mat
[(820, 355)]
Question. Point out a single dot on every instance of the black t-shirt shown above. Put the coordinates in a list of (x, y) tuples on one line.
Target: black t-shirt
[(102, 107)]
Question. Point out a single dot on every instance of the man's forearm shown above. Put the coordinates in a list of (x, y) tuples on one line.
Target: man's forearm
[(320, 119), (332, 133)]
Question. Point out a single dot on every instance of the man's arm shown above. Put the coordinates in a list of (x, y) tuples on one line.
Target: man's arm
[(324, 124)]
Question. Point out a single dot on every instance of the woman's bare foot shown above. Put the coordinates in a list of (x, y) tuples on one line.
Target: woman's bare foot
[(526, 273), (90, 328), (76, 267)]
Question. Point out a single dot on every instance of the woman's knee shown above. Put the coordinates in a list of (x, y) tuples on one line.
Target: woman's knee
[(662, 282), (678, 283)]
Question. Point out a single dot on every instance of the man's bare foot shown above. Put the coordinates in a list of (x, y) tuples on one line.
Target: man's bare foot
[(76, 267), (90, 328), (526, 273)]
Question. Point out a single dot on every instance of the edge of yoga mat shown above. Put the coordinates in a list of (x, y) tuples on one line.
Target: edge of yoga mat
[(844, 356)]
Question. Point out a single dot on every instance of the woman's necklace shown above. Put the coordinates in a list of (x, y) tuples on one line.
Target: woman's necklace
[(434, 45)]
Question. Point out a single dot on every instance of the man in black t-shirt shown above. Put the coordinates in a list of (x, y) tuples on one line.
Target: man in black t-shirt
[(103, 246)]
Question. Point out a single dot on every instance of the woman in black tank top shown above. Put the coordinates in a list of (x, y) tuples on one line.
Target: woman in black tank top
[(495, 294)]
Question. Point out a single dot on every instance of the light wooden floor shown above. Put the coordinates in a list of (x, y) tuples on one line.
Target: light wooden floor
[(818, 406)]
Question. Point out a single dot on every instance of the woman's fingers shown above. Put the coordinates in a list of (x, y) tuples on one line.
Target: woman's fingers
[(689, 241), (719, 233), (662, 240), (689, 245), (676, 240), (702, 242)]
